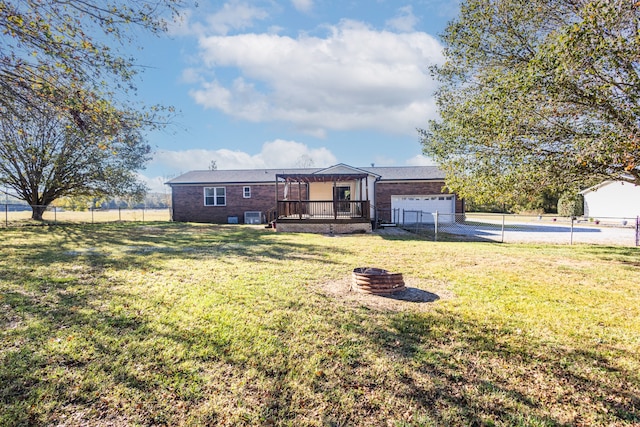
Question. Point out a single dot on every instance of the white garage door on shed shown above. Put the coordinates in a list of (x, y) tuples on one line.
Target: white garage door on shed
[(415, 209)]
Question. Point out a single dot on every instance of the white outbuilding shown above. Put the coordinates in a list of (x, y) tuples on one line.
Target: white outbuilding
[(612, 199)]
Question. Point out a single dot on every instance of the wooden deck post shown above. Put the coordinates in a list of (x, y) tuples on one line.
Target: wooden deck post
[(299, 199), (335, 196)]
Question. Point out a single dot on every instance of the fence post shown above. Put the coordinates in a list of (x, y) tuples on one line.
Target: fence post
[(638, 231), (143, 215), (6, 215), (55, 215), (435, 234), (502, 231), (91, 214), (571, 239)]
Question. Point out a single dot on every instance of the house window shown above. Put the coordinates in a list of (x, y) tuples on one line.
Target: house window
[(215, 196), (246, 192)]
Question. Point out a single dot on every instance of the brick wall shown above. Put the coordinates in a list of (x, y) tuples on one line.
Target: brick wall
[(340, 228), (188, 202)]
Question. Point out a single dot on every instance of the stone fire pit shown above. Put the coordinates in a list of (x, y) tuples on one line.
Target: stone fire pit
[(370, 280)]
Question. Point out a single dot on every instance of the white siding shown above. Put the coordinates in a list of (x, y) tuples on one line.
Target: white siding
[(615, 199)]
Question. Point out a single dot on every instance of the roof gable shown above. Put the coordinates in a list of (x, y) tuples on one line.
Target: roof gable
[(607, 183), (341, 168)]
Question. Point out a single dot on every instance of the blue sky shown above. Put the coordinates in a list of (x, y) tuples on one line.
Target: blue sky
[(270, 84)]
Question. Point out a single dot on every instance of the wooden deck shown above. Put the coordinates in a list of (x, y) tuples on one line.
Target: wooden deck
[(324, 211)]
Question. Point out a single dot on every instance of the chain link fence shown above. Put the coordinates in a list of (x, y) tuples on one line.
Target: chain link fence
[(503, 228), (16, 215), (509, 228)]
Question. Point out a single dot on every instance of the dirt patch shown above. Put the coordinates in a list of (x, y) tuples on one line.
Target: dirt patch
[(419, 295), (392, 231)]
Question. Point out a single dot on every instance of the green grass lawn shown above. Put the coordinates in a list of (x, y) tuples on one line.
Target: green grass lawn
[(182, 324)]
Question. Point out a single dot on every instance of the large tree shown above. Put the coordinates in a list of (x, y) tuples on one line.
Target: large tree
[(64, 75), (45, 154), (542, 94)]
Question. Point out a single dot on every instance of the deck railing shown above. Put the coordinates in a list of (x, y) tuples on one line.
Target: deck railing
[(357, 210)]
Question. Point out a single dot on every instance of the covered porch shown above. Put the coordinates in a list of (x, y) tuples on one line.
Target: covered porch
[(322, 198)]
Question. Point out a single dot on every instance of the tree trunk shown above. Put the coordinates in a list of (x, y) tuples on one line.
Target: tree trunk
[(37, 212)]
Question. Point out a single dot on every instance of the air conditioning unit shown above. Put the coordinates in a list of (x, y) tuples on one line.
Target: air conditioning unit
[(253, 217)]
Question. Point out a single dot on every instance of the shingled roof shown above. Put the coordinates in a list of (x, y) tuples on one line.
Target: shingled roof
[(247, 176)]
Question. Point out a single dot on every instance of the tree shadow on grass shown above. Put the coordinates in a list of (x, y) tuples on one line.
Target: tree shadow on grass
[(80, 352), (78, 346), (75, 342), (629, 256), (73, 332), (411, 294), (53, 328), (125, 246), (475, 373), (427, 233)]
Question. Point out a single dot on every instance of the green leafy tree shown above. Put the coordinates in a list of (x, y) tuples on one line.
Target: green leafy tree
[(45, 155), (80, 203), (62, 48), (538, 95), (63, 67)]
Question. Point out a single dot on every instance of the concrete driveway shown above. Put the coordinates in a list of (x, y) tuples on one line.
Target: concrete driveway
[(544, 233)]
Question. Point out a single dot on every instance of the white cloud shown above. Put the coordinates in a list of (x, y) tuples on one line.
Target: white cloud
[(405, 20), (155, 184), (302, 5), (417, 160), (420, 160), (281, 153), (274, 154), (190, 75), (232, 16), (235, 15), (354, 78)]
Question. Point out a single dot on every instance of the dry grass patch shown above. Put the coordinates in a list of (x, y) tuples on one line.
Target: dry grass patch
[(420, 295)]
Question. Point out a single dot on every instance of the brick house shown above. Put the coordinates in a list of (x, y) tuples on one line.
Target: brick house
[(340, 198)]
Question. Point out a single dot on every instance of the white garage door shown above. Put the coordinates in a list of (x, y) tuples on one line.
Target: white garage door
[(414, 209)]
